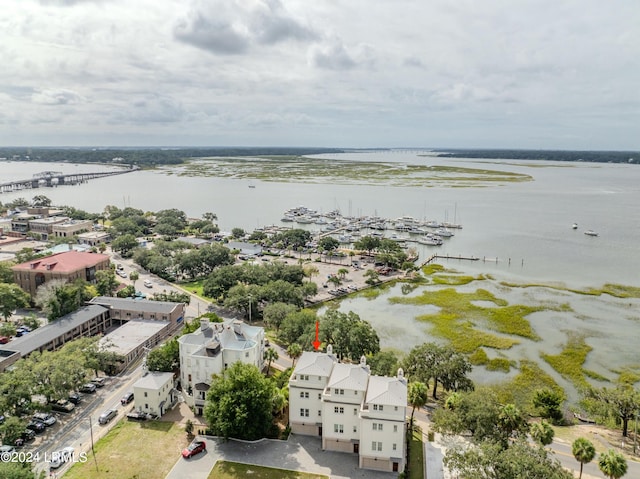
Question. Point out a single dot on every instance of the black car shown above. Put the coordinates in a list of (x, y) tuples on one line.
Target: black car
[(75, 398), (126, 399), (36, 426)]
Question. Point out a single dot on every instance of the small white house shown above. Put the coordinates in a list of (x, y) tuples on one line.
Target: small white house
[(154, 393)]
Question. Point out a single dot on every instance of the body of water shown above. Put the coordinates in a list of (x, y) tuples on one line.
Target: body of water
[(526, 226)]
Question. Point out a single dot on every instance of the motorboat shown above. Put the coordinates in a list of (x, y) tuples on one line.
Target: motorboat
[(574, 226), (443, 232), (591, 233)]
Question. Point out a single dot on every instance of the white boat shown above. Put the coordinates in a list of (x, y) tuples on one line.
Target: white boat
[(443, 232), (591, 233), (430, 240), (574, 226)]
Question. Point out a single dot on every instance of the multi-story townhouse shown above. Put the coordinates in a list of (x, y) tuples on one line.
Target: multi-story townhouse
[(210, 350), (351, 410), (306, 386), (44, 226), (71, 228), (342, 399), (382, 423)]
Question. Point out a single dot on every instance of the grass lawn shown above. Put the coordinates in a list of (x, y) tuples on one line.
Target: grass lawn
[(134, 450), (236, 470), (416, 458), (194, 287)]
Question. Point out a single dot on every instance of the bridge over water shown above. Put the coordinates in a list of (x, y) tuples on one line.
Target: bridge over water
[(55, 178)]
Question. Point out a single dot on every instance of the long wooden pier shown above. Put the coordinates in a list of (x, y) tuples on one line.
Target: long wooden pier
[(54, 178)]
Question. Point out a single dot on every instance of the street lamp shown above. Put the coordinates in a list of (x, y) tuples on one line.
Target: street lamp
[(250, 299)]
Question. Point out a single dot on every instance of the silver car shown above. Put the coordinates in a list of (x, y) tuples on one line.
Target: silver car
[(107, 416)]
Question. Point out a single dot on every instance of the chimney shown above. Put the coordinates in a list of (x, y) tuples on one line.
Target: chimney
[(330, 349), (400, 373)]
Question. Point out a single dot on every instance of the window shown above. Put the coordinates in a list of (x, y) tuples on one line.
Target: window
[(319, 412), (377, 426), (373, 445), (145, 394), (305, 377), (246, 355), (394, 446), (355, 428), (379, 446), (304, 412), (395, 408), (377, 407), (355, 411), (395, 428), (304, 394), (339, 428), (338, 410), (319, 395), (338, 391)]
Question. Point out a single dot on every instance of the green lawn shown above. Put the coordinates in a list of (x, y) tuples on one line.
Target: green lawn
[(236, 470), (133, 450), (416, 457), (194, 287)]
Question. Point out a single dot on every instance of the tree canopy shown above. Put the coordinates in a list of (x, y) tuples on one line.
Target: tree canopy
[(239, 404)]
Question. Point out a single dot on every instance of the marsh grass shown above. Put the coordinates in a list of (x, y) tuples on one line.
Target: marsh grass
[(612, 289), (570, 360), (451, 280), (519, 390), (480, 358), (300, 169), (460, 321)]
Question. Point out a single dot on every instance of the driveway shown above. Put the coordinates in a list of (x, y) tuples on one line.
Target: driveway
[(298, 453)]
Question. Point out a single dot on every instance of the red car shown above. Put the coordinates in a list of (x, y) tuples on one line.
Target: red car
[(196, 447)]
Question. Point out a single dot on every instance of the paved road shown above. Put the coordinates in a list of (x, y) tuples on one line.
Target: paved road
[(299, 453), (563, 454)]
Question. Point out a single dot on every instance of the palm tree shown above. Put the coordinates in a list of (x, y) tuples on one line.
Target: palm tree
[(270, 355), (542, 433), (294, 351), (281, 400), (583, 451), (134, 276), (342, 272), (418, 394), (310, 272), (612, 464)]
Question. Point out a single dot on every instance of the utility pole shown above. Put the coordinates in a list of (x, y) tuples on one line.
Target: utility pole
[(250, 299)]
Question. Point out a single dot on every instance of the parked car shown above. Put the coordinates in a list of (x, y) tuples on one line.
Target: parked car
[(121, 273), (28, 435), (62, 405), (46, 418), (99, 382), (7, 449), (75, 398), (196, 447), (58, 458), (126, 399), (36, 426), (148, 283), (4, 339), (137, 416), (107, 416), (88, 388)]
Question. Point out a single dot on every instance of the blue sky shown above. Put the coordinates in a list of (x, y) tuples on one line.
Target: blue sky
[(352, 73)]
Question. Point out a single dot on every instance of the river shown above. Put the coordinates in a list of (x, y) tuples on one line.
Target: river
[(522, 230)]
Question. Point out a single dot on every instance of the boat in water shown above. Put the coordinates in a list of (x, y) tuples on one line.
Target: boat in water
[(591, 233), (574, 226)]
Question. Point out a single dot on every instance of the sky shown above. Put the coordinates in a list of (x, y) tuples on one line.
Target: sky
[(534, 74)]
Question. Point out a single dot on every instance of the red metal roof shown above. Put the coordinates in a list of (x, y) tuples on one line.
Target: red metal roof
[(66, 262)]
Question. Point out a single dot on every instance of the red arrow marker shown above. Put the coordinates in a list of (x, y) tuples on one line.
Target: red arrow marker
[(317, 343)]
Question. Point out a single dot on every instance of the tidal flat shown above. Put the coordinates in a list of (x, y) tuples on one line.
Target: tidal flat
[(314, 170), (572, 339)]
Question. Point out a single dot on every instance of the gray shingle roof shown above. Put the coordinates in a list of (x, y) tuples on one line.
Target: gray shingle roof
[(36, 339), (139, 305)]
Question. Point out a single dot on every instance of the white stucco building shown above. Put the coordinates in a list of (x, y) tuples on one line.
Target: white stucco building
[(351, 410), (213, 348), (154, 393)]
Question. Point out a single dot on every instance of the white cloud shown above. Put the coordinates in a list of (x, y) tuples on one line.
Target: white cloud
[(535, 73)]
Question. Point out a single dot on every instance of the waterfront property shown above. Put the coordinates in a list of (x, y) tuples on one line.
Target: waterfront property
[(352, 411), (213, 348), (67, 266)]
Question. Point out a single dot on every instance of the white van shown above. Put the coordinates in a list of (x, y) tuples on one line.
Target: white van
[(148, 283)]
